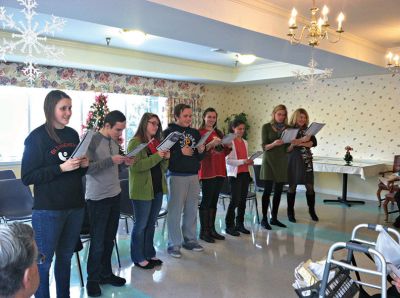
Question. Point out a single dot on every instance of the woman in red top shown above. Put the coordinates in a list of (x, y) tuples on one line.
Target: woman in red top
[(237, 164), (212, 174)]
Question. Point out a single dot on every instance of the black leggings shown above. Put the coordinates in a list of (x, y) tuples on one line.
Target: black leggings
[(210, 189), (278, 187), (239, 190)]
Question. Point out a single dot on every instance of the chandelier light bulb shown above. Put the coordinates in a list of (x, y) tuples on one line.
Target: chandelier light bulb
[(396, 60), (294, 13), (325, 11), (340, 20)]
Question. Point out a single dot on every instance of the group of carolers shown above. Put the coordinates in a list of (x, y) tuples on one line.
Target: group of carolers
[(59, 202)]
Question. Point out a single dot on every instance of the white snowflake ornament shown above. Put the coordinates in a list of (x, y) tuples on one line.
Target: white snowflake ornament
[(29, 39)]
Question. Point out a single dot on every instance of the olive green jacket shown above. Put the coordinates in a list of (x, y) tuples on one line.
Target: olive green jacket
[(140, 182)]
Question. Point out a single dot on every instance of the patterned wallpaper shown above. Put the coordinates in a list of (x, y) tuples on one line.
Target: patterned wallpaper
[(363, 112)]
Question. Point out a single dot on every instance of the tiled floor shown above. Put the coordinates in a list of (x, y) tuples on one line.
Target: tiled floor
[(256, 265)]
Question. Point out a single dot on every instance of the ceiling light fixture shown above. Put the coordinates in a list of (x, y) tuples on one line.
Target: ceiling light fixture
[(135, 37), (392, 62), (245, 59), (316, 30)]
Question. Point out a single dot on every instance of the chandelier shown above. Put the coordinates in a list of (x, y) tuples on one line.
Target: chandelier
[(392, 62), (316, 30)]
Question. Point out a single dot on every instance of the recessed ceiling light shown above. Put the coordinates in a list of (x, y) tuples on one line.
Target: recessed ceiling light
[(246, 59), (135, 37)]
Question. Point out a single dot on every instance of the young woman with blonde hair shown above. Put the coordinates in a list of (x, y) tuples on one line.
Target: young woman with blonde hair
[(274, 164), (300, 166)]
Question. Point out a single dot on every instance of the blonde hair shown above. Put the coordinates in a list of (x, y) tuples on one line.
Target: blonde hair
[(296, 114), (277, 108)]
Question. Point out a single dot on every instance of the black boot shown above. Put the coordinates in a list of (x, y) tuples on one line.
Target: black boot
[(311, 206), (265, 206), (240, 228), (204, 226), (274, 214), (211, 221), (290, 206)]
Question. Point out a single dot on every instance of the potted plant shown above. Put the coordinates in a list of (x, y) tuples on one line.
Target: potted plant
[(348, 158), (242, 116)]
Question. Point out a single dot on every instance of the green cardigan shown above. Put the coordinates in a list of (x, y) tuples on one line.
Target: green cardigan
[(140, 183)]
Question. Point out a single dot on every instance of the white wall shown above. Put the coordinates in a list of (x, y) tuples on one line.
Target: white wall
[(363, 112)]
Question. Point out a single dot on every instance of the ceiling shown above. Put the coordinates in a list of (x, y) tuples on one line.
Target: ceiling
[(374, 20), (188, 30)]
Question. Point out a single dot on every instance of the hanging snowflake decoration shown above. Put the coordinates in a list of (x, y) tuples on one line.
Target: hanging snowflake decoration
[(313, 77), (28, 38)]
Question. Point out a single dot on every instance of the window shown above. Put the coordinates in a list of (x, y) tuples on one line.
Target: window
[(22, 111)]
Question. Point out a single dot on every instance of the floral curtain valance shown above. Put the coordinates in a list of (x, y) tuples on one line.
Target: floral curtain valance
[(88, 80)]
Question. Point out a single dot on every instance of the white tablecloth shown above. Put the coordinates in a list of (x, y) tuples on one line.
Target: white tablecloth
[(337, 165)]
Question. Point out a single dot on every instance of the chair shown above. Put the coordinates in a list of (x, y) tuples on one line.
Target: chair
[(7, 174), (384, 181), (226, 194), (390, 197), (258, 183), (16, 201), (126, 209)]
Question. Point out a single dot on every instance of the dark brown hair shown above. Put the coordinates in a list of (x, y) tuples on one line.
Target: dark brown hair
[(179, 109), (235, 123), (141, 131), (203, 123), (50, 102)]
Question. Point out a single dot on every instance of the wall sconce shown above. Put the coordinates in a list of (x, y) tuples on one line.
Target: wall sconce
[(245, 59), (392, 62)]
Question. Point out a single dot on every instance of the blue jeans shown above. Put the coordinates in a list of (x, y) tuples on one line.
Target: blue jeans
[(142, 236), (104, 219), (56, 231)]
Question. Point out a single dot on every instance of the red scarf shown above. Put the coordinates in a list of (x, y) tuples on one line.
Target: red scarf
[(153, 145)]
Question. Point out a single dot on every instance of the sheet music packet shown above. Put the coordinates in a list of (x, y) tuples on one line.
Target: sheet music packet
[(83, 145), (289, 134), (139, 148), (204, 138), (228, 138), (169, 141), (255, 155), (314, 128)]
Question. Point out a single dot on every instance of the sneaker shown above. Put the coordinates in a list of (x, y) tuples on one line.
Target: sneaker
[(93, 289), (113, 280), (192, 246), (174, 252)]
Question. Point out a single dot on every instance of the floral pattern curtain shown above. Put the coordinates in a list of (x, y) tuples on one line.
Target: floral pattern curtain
[(87, 80), (196, 109)]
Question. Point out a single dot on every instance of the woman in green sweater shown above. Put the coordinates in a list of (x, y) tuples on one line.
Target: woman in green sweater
[(147, 185), (274, 164)]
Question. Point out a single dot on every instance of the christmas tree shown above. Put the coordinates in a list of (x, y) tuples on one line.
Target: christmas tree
[(97, 113)]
